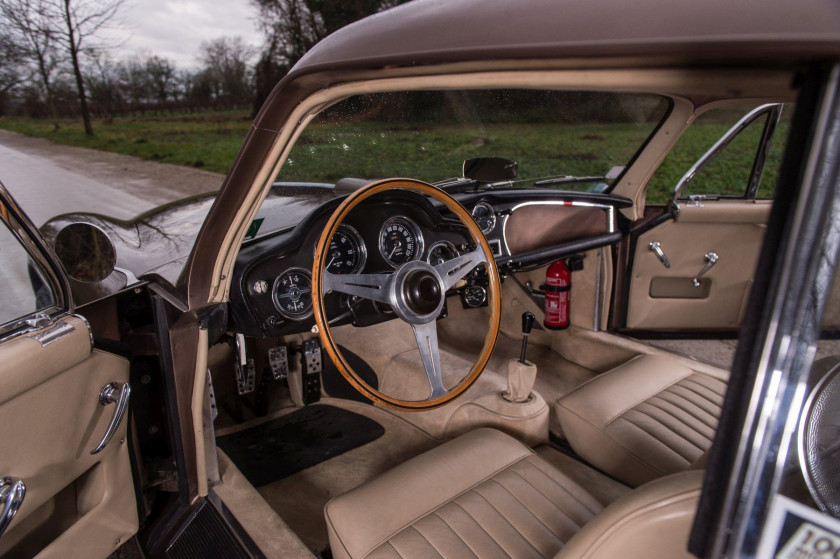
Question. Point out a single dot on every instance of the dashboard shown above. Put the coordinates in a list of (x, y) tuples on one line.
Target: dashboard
[(272, 288)]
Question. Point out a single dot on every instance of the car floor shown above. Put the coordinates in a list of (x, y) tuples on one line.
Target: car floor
[(299, 499)]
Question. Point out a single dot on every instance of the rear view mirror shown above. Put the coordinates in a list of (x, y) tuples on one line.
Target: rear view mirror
[(490, 169)]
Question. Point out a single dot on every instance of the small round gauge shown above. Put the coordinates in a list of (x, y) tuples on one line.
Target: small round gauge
[(475, 295), (292, 293), (400, 241), (441, 252), (484, 216), (347, 252)]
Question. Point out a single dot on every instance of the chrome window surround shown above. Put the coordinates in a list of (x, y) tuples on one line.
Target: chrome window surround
[(774, 110), (802, 281), (44, 259), (610, 211)]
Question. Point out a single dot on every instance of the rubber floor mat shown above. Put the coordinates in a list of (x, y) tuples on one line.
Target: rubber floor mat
[(306, 437)]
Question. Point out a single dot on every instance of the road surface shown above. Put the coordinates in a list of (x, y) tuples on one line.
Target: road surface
[(48, 179)]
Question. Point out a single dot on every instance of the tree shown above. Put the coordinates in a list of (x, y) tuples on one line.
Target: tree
[(30, 27), (160, 73), (292, 27), (226, 69), (75, 24)]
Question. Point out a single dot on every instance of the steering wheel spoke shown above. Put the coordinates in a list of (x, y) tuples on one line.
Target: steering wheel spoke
[(375, 287), (427, 342), (452, 271)]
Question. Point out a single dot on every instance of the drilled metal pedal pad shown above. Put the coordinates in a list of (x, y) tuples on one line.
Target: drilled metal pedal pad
[(311, 371), (278, 360)]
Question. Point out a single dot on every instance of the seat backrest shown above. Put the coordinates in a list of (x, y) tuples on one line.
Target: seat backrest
[(653, 520)]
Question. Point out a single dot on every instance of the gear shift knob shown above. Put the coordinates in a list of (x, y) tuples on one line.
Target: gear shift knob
[(528, 319)]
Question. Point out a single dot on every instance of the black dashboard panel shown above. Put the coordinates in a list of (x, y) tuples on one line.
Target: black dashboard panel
[(270, 265), (270, 294)]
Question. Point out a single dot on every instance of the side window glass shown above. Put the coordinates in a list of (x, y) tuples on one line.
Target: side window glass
[(25, 291), (727, 173)]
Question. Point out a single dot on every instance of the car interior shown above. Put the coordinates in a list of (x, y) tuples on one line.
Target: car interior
[(392, 376), (589, 439)]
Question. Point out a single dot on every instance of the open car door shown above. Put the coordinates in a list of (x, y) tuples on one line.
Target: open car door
[(65, 474), (692, 263)]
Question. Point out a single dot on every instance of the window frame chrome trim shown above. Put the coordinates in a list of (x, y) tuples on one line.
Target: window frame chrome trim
[(774, 110), (25, 232)]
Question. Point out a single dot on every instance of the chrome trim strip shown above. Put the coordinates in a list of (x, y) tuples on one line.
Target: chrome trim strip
[(610, 210), (54, 333)]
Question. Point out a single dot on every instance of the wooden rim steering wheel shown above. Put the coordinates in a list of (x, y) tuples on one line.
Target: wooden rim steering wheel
[(415, 290)]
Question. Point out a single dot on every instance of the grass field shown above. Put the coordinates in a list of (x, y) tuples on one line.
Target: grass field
[(207, 141), (211, 140)]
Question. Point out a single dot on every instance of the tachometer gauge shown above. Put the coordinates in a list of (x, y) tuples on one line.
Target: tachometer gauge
[(441, 252), (484, 216), (347, 252), (292, 293), (400, 241)]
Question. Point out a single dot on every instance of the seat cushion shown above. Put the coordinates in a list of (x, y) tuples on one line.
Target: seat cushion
[(483, 494), (647, 418)]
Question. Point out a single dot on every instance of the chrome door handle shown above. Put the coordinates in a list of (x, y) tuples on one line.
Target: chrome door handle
[(656, 247), (12, 492), (108, 395), (711, 259)]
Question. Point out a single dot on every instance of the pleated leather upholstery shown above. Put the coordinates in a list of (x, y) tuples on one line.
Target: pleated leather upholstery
[(647, 418), (481, 495)]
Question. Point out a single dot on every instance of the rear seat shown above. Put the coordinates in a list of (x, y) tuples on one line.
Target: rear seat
[(644, 419)]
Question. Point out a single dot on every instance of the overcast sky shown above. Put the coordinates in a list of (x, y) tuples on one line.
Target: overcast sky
[(175, 28)]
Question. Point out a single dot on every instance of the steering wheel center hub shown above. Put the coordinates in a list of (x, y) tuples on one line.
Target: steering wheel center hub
[(421, 292), (418, 293)]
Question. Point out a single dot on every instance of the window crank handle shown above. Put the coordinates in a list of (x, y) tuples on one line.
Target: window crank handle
[(656, 247), (711, 259)]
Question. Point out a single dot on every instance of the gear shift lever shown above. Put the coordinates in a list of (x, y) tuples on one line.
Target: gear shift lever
[(521, 373), (528, 319)]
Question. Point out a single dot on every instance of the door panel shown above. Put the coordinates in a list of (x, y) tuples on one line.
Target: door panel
[(76, 504), (734, 231)]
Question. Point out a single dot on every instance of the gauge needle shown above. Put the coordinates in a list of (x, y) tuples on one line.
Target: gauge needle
[(331, 261), (397, 245)]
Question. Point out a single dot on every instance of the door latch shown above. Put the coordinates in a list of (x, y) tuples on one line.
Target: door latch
[(711, 259), (656, 247), (112, 394)]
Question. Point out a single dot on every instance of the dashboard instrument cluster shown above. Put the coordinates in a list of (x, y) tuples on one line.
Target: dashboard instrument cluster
[(272, 294)]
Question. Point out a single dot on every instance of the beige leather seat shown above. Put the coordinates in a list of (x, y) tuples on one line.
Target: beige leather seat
[(647, 418), (485, 494)]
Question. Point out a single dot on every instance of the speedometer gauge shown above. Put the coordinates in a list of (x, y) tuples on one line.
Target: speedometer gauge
[(292, 293), (347, 251), (400, 241)]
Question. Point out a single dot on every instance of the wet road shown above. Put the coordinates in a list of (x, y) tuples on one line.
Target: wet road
[(48, 179), (45, 189)]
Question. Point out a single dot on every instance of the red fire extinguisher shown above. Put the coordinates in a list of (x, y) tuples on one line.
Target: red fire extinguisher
[(558, 287)]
